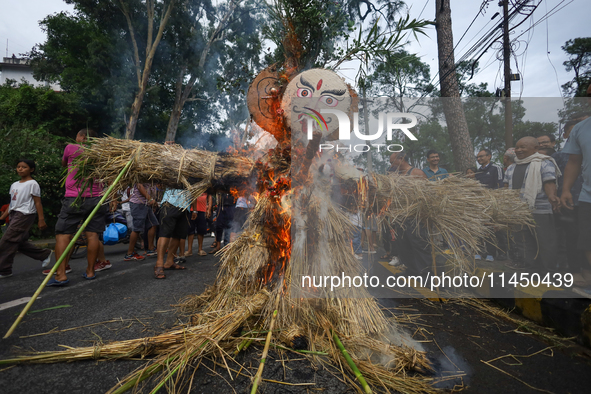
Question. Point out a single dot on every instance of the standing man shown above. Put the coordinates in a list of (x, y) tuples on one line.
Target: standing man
[(433, 172), (578, 147), (225, 217), (174, 226), (547, 141), (72, 214), (534, 175), (489, 174), (141, 203), (567, 221), (399, 163)]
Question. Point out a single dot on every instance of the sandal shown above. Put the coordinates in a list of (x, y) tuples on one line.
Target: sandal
[(214, 251), (159, 273), (175, 267), (214, 244), (202, 253)]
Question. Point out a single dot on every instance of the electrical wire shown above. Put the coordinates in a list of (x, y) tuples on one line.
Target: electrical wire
[(482, 6), (546, 16), (524, 60), (489, 38), (485, 42), (425, 6), (548, 55)]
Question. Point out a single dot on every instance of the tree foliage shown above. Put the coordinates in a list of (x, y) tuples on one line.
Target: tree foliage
[(401, 74), (41, 108), (579, 62), (88, 57), (27, 142), (91, 52), (308, 30)]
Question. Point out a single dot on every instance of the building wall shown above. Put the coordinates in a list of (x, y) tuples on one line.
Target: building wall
[(18, 69)]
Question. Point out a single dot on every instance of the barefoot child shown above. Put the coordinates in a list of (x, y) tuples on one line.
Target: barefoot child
[(25, 205)]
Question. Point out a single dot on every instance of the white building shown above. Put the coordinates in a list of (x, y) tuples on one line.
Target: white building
[(17, 69)]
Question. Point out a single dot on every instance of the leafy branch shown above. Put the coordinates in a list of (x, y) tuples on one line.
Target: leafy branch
[(376, 44)]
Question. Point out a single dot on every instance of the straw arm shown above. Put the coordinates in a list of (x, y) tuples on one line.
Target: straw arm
[(171, 165)]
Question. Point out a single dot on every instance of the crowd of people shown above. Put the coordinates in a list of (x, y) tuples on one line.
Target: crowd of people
[(556, 185), (158, 220)]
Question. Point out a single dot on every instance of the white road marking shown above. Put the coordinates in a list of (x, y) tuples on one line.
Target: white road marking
[(10, 304)]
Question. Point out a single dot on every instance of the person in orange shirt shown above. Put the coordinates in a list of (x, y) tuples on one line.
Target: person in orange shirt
[(201, 212)]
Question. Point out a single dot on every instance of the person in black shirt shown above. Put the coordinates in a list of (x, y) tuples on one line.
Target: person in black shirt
[(225, 217), (489, 174)]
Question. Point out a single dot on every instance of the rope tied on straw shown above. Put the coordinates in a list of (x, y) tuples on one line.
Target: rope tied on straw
[(96, 352), (212, 169), (181, 163)]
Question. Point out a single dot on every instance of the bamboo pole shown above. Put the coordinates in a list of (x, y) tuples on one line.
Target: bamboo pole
[(69, 248), (259, 375), (351, 363)]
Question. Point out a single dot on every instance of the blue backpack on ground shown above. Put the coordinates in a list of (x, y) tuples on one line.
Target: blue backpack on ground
[(111, 234), (121, 229)]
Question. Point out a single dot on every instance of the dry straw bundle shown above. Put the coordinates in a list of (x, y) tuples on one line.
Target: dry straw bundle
[(170, 165), (459, 210)]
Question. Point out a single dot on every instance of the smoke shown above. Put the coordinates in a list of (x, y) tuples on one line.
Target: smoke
[(450, 363), (394, 337), (261, 140), (212, 141)]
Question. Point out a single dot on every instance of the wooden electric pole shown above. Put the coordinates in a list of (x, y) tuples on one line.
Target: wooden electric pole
[(507, 63), (457, 127)]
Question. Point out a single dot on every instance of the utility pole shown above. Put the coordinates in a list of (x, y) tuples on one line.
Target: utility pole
[(457, 127), (507, 63)]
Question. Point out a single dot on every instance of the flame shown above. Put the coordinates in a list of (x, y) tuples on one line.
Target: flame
[(277, 189)]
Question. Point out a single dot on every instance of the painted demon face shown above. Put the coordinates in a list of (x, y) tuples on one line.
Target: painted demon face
[(308, 94)]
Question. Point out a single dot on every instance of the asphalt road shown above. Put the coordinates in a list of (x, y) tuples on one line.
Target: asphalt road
[(126, 302)]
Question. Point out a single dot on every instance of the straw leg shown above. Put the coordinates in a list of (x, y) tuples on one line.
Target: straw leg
[(66, 252)]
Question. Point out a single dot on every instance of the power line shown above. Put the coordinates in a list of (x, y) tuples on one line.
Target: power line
[(482, 6), (546, 16), (486, 41), (425, 6), (548, 55), (477, 51)]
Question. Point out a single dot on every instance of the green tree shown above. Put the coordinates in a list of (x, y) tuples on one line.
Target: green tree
[(221, 60), (41, 108), (579, 62), (35, 123), (307, 31), (86, 58), (25, 142), (400, 75)]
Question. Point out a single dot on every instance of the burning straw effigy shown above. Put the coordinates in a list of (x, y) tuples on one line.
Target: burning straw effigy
[(292, 231)]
